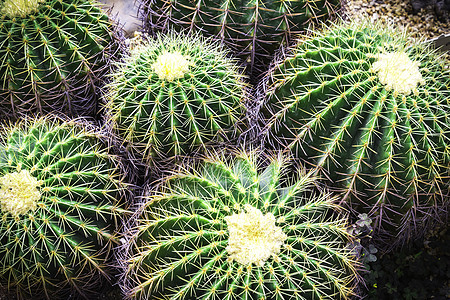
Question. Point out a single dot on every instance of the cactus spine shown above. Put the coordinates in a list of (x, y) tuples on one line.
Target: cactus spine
[(59, 207), (53, 53), (369, 109), (233, 229), (175, 95), (252, 28)]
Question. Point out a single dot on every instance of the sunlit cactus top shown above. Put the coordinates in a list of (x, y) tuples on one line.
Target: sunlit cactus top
[(370, 108), (175, 95), (238, 228), (60, 194)]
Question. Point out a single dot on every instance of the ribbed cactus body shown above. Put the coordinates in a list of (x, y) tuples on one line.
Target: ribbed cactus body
[(52, 53), (252, 28), (59, 207), (370, 110), (176, 94), (233, 229)]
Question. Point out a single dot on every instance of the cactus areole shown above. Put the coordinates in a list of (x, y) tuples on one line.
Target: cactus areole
[(232, 229), (369, 108)]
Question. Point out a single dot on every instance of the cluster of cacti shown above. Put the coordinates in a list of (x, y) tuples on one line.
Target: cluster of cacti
[(232, 228), (51, 55), (370, 111), (254, 29), (60, 193), (363, 107), (174, 95)]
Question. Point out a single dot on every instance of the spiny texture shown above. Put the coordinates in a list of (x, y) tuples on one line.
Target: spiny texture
[(370, 110), (52, 53), (233, 229), (59, 208), (254, 29), (175, 95)]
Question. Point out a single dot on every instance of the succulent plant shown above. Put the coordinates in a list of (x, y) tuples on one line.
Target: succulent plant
[(175, 95), (60, 193), (52, 55), (232, 228), (254, 29), (368, 107)]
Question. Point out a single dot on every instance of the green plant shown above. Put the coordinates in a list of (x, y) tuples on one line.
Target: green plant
[(361, 245), (52, 53), (232, 228), (59, 206), (254, 29), (421, 271), (368, 108), (175, 95)]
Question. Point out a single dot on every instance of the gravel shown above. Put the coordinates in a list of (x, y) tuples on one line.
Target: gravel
[(424, 24)]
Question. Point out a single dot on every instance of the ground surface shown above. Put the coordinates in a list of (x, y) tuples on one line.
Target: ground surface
[(400, 12)]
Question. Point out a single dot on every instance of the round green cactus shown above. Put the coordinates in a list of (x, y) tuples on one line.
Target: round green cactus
[(52, 55), (254, 29), (59, 206), (369, 108), (175, 95), (233, 229)]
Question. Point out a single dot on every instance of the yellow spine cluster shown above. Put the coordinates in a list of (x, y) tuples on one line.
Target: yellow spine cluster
[(19, 8), (253, 237), (398, 72), (170, 66), (19, 192)]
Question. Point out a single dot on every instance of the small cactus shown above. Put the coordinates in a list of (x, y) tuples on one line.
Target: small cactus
[(369, 108), (59, 208), (52, 54), (254, 29), (174, 95), (233, 229)]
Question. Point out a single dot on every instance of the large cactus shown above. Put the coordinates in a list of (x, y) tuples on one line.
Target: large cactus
[(175, 95), (369, 107), (59, 206), (233, 229), (252, 28), (51, 55)]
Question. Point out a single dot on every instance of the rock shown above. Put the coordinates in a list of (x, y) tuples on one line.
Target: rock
[(442, 9), (419, 4), (126, 12)]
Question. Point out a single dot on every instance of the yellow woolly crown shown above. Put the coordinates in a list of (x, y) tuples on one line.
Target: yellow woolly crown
[(398, 72), (171, 65), (18, 192), (19, 8)]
